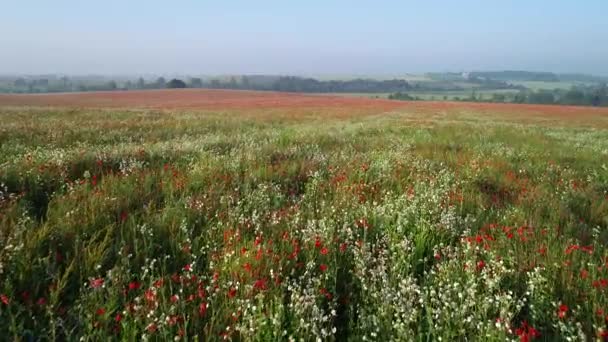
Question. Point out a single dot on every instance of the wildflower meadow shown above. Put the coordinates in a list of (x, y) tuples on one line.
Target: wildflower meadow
[(270, 225)]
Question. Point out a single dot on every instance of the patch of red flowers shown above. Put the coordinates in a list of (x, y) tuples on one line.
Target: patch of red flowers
[(260, 284), (323, 267), (562, 310), (95, 283), (134, 285), (202, 309), (526, 332)]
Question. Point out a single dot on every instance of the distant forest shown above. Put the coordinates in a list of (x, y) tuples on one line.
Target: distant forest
[(585, 90), (577, 96), (261, 82)]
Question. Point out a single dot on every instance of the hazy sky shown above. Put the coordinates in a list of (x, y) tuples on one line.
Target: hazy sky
[(302, 37)]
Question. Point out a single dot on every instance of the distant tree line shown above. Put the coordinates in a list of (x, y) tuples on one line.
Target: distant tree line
[(577, 96), (255, 82)]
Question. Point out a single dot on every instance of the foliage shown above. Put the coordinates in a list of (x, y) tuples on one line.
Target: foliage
[(139, 225), (175, 83)]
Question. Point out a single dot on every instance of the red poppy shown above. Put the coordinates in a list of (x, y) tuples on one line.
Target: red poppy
[(323, 267), (202, 309), (41, 301), (100, 312), (187, 268), (118, 318), (480, 265), (231, 292), (95, 283), (152, 328), (134, 285), (324, 251), (150, 296), (123, 216), (326, 293), (4, 299), (260, 284), (561, 312), (526, 332)]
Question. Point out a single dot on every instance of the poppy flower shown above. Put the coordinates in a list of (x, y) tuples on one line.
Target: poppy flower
[(100, 312), (561, 312), (150, 296), (95, 283), (260, 284), (202, 309), (323, 267), (151, 328), (324, 251), (134, 285), (4, 299), (118, 318)]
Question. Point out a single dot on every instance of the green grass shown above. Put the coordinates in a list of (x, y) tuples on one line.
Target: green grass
[(125, 225)]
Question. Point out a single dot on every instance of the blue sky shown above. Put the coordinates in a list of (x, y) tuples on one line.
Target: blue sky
[(305, 37)]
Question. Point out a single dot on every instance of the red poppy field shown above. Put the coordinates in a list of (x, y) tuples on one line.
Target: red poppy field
[(218, 215)]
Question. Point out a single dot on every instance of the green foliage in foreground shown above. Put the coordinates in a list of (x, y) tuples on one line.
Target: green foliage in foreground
[(148, 225)]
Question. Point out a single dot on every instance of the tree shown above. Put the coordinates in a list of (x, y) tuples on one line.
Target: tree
[(541, 97), (175, 83), (141, 84), (233, 84), (65, 82), (245, 82), (112, 85), (161, 82), (196, 82), (20, 83), (520, 97), (497, 97), (573, 97)]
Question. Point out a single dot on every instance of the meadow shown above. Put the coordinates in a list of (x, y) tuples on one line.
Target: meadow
[(311, 219)]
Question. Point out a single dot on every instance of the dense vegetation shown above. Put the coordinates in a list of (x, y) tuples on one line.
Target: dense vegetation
[(259, 82), (577, 96), (266, 225)]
